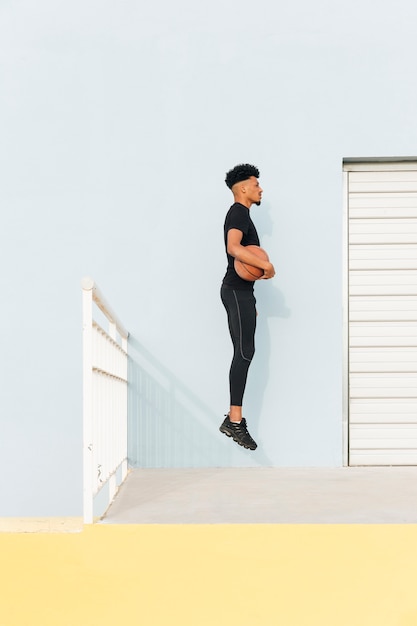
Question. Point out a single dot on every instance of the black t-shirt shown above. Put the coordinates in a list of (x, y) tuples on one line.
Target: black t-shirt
[(238, 217)]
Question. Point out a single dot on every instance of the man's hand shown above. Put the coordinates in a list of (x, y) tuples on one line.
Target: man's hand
[(269, 272)]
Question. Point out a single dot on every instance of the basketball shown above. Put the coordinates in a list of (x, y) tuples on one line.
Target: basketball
[(250, 272)]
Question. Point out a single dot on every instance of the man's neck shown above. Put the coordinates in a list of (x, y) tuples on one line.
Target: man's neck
[(243, 201)]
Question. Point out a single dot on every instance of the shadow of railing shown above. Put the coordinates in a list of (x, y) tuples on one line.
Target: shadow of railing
[(169, 426)]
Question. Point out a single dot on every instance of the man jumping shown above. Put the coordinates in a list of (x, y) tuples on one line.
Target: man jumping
[(237, 294)]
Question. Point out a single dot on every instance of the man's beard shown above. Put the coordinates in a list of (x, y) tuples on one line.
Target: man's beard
[(258, 203)]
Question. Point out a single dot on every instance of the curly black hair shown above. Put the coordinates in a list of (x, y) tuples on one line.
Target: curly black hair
[(239, 173)]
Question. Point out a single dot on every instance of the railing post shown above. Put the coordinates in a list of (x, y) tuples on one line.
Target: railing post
[(104, 400), (112, 330), (87, 286)]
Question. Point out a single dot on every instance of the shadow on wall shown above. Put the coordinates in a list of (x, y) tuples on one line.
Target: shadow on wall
[(270, 303), (168, 425)]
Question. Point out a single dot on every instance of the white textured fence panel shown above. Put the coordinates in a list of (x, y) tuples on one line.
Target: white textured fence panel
[(381, 311), (105, 400)]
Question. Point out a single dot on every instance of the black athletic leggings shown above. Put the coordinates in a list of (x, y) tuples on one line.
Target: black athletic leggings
[(241, 315)]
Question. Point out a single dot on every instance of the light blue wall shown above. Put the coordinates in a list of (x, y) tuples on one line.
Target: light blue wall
[(118, 122)]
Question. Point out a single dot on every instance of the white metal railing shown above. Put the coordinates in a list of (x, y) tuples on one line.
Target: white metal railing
[(104, 400)]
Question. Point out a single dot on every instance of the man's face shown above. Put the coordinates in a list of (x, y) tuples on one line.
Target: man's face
[(253, 190)]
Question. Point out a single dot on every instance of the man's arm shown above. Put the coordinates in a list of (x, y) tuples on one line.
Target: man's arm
[(235, 249)]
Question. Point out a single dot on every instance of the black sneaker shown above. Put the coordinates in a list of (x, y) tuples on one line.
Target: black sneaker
[(239, 433)]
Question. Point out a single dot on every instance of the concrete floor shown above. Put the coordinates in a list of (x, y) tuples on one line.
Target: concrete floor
[(354, 495)]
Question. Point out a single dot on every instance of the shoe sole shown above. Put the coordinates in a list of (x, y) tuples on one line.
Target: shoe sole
[(229, 434)]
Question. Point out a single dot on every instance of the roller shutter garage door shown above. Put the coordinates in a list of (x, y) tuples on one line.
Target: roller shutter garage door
[(381, 225)]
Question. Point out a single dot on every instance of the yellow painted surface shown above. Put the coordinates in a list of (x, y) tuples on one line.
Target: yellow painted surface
[(240, 575), (40, 524)]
